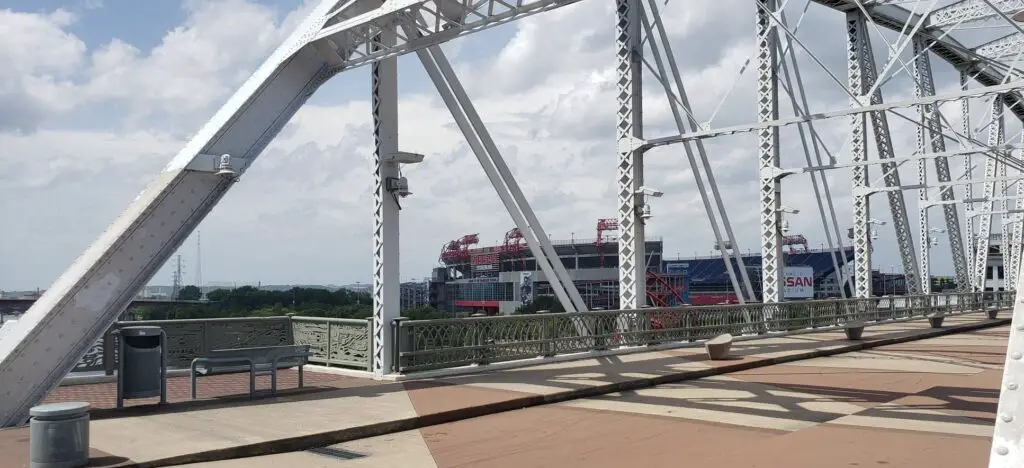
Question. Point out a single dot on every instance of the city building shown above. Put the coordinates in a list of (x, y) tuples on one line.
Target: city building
[(413, 294), (500, 279)]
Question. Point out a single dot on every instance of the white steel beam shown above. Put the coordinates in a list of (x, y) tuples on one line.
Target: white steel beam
[(770, 194), (629, 136), (883, 144), (1016, 237), (822, 192), (1008, 435), (1004, 225), (858, 151), (995, 137), (1010, 45), (855, 108), (745, 291), (351, 41), (930, 139), (924, 232), (965, 126), (966, 12), (84, 302), (466, 117), (386, 279)]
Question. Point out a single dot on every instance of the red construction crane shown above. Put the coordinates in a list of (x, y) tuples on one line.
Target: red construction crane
[(457, 251), (515, 245), (605, 225)]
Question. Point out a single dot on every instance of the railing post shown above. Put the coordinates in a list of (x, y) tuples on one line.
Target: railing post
[(291, 329), (330, 345), (369, 345), (480, 341), (399, 336), (547, 336)]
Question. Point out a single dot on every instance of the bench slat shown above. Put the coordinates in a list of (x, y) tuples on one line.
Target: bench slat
[(226, 361)]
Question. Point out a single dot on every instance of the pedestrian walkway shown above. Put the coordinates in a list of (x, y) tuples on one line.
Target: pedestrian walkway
[(889, 400)]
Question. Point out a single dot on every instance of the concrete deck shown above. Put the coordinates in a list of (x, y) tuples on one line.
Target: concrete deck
[(778, 403)]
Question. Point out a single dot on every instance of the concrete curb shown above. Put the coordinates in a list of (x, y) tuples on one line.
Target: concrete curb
[(305, 442)]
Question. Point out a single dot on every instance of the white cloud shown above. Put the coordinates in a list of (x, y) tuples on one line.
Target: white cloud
[(303, 212)]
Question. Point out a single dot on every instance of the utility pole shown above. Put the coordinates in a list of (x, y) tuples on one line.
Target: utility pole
[(176, 279), (199, 265)]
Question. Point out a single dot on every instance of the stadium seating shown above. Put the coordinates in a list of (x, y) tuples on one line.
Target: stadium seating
[(710, 274)]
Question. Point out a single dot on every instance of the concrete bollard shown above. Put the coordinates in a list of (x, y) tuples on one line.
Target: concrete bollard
[(854, 330), (936, 320), (718, 347), (59, 435)]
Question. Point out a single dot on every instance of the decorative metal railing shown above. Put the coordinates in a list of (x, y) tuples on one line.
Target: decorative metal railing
[(435, 344), (333, 341)]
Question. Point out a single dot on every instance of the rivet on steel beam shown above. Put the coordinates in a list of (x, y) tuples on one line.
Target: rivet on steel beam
[(1011, 386), (1006, 417), (1002, 450), (1016, 355)]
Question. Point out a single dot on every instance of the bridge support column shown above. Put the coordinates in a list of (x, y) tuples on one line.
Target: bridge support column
[(629, 134), (995, 137), (858, 152), (768, 153), (385, 212)]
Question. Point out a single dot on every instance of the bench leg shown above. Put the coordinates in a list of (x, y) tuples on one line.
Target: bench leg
[(192, 378), (252, 380), (273, 380), (300, 376)]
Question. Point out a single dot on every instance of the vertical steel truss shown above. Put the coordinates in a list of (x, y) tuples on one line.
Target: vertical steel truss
[(386, 283), (1016, 237), (861, 52), (768, 152), (859, 154), (965, 127), (932, 119), (629, 137), (995, 137), (1004, 226)]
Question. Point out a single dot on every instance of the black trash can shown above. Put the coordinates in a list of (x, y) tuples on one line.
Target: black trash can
[(142, 363)]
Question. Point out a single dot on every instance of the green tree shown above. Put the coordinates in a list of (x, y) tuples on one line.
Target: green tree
[(190, 293)]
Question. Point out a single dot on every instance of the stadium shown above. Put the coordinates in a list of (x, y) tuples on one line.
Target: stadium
[(499, 279)]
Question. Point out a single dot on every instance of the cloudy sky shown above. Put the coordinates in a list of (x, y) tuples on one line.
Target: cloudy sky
[(97, 95)]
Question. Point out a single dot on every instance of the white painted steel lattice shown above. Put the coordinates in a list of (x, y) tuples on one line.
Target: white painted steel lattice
[(770, 197), (629, 135), (339, 36)]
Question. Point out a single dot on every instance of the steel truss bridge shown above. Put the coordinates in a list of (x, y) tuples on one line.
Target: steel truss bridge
[(982, 40)]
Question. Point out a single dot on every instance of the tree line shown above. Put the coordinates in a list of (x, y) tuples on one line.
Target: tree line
[(248, 301)]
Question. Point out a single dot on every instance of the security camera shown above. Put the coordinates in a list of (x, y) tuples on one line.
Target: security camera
[(785, 226), (224, 168), (650, 192), (645, 212), (398, 186)]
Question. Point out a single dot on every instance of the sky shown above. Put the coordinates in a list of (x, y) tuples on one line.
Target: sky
[(96, 96)]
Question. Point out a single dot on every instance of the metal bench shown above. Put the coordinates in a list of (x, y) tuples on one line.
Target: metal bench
[(260, 360)]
